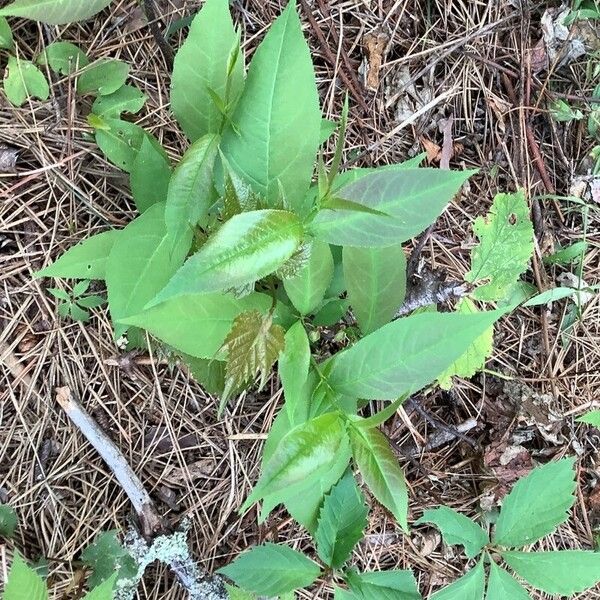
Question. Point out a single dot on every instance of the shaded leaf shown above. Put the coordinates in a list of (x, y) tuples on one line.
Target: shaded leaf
[(6, 36), (150, 175), (105, 76), (235, 593), (376, 282), (277, 117), (552, 295), (210, 374), (104, 591), (120, 141), (331, 312), (23, 582), (197, 324), (503, 586), (342, 521), (54, 12), (469, 587), (202, 65), (394, 584), (252, 347), (307, 288), (505, 246), (405, 355), (105, 556), (568, 254), (413, 199), (246, 248), (380, 469), (271, 569), (456, 529), (22, 80), (536, 505), (63, 58), (473, 360), (126, 99), (85, 260), (8, 521), (564, 572)]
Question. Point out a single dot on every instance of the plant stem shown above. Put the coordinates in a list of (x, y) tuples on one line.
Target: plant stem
[(150, 10)]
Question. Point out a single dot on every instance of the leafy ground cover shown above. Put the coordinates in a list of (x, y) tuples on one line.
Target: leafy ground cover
[(160, 404)]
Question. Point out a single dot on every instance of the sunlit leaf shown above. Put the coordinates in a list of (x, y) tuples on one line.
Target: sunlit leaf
[(54, 12), (23, 582), (150, 175), (591, 418)]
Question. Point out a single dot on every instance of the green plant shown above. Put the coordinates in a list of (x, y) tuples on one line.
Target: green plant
[(535, 507), (76, 304)]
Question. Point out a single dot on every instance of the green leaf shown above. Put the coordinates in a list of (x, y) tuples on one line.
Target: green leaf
[(566, 255), (190, 189), (309, 449), (104, 591), (331, 312), (59, 294), (8, 521), (564, 112), (23, 582), (536, 505), (505, 246), (6, 36), (63, 58), (210, 374), (552, 295), (236, 593), (405, 355), (456, 529), (307, 288), (103, 77), (119, 140), (327, 129), (140, 264), (469, 587), (341, 594), (54, 12), (503, 586), (22, 79), (246, 248), (413, 199), (591, 418), (278, 117), (91, 301), (271, 569), (105, 556), (197, 324), (380, 470), (150, 175), (394, 584), (473, 360), (126, 99), (376, 280), (342, 521), (564, 572), (201, 64), (294, 363), (252, 347), (85, 260)]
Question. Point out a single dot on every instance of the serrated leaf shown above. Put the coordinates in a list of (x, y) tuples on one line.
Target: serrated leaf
[(197, 324), (140, 264), (376, 282), (59, 294), (126, 99), (413, 199), (150, 175), (189, 194), (22, 79), (469, 587), (210, 374), (63, 58), (85, 260), (246, 248), (503, 586), (91, 301), (104, 591), (201, 65), (591, 418), (405, 355), (293, 367), (271, 569), (54, 12), (504, 249), (456, 529), (8, 521), (380, 469), (252, 346), (105, 556), (564, 572), (307, 288), (120, 141), (309, 450), (23, 582), (473, 360), (278, 117), (342, 521), (394, 584), (105, 76), (536, 505), (6, 36)]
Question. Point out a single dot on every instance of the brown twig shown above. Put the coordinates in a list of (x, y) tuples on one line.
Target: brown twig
[(150, 10)]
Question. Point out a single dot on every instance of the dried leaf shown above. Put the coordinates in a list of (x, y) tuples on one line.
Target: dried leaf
[(8, 159), (375, 43)]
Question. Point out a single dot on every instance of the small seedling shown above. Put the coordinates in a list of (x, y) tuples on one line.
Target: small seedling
[(76, 303)]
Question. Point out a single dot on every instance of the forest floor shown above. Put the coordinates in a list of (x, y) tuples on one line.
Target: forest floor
[(467, 81)]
